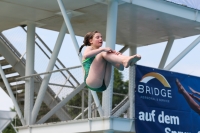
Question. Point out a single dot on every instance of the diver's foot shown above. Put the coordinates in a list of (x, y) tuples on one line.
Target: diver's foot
[(131, 60), (180, 87), (119, 67), (193, 91), (134, 60)]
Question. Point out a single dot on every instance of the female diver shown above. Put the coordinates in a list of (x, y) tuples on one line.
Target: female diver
[(97, 61)]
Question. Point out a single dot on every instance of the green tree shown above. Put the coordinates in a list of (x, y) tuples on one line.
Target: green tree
[(16, 121), (75, 101), (119, 87)]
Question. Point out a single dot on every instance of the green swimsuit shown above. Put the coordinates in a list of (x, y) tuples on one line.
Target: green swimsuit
[(86, 65)]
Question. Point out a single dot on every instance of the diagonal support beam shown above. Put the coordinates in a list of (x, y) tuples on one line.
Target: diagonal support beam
[(4, 125), (182, 54), (122, 109), (124, 49), (166, 52), (12, 96), (46, 78), (69, 26), (71, 31), (61, 104)]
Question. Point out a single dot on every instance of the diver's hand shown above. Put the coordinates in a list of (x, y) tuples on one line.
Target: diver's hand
[(107, 49), (117, 53)]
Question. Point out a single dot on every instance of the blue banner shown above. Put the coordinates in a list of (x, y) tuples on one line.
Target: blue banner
[(166, 102)]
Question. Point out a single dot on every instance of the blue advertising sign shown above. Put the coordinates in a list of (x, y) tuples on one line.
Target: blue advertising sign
[(166, 102)]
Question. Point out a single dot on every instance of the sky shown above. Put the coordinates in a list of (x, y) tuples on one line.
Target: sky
[(151, 55)]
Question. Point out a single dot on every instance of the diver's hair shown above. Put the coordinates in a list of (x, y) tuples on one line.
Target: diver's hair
[(86, 41)]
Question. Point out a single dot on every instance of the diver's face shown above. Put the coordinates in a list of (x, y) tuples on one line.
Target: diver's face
[(97, 40)]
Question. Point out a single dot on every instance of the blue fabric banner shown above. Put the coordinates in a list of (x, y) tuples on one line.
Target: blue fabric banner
[(166, 102)]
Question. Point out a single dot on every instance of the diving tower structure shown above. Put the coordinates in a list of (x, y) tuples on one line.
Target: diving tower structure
[(6, 118), (130, 23)]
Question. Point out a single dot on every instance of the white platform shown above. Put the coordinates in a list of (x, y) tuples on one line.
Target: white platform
[(95, 125), (140, 22)]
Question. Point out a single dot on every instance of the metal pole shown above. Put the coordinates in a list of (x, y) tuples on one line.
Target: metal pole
[(93, 110), (110, 42), (98, 105), (83, 105), (132, 85), (69, 26), (89, 103), (46, 78), (182, 54), (111, 23), (166, 52), (12, 96), (124, 49), (29, 83), (61, 104), (61, 86)]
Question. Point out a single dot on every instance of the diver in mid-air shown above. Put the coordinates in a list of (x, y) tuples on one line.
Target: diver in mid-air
[(97, 61)]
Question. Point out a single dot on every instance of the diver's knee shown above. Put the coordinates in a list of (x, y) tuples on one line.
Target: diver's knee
[(93, 83)]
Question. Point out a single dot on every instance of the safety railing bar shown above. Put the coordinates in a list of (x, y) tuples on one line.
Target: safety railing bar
[(119, 94), (71, 106), (8, 43), (61, 85), (23, 77)]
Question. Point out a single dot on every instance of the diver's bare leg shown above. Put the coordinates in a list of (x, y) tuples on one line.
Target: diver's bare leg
[(98, 72), (195, 92), (195, 97)]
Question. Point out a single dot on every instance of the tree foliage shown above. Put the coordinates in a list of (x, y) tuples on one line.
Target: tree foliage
[(119, 86), (16, 121)]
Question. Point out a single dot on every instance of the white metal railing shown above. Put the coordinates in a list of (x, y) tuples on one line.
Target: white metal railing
[(58, 79)]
